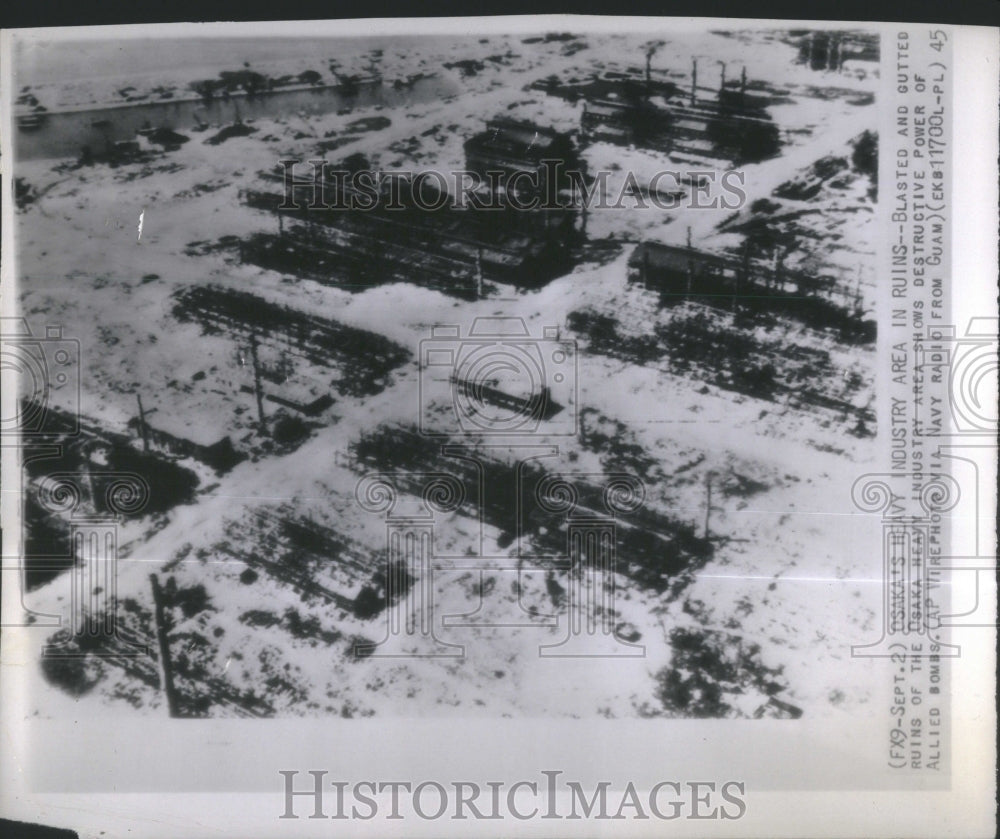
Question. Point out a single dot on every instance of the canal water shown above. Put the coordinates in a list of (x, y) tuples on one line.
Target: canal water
[(65, 134)]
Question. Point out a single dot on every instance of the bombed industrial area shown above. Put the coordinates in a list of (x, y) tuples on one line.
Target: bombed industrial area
[(497, 376)]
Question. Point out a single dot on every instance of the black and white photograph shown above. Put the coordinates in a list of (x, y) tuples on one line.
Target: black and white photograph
[(530, 371)]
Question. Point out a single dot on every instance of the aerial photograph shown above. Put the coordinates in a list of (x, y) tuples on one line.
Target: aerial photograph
[(422, 375)]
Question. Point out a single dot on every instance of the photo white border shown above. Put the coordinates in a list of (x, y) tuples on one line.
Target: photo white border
[(109, 751)]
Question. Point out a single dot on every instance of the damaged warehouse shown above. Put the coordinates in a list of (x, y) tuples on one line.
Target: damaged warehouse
[(347, 229)]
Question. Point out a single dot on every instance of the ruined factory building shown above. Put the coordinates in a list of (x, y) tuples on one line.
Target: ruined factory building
[(454, 249), (680, 274)]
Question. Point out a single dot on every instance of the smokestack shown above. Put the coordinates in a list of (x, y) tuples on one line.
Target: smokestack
[(143, 430), (694, 78), (258, 390), (651, 49)]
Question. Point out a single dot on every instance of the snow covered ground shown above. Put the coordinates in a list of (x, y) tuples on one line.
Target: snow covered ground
[(789, 572)]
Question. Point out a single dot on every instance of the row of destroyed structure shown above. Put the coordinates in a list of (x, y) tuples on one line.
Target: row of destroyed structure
[(822, 50), (629, 109), (463, 249)]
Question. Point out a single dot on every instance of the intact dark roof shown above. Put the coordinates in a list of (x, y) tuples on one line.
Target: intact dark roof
[(516, 137), (676, 258)]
